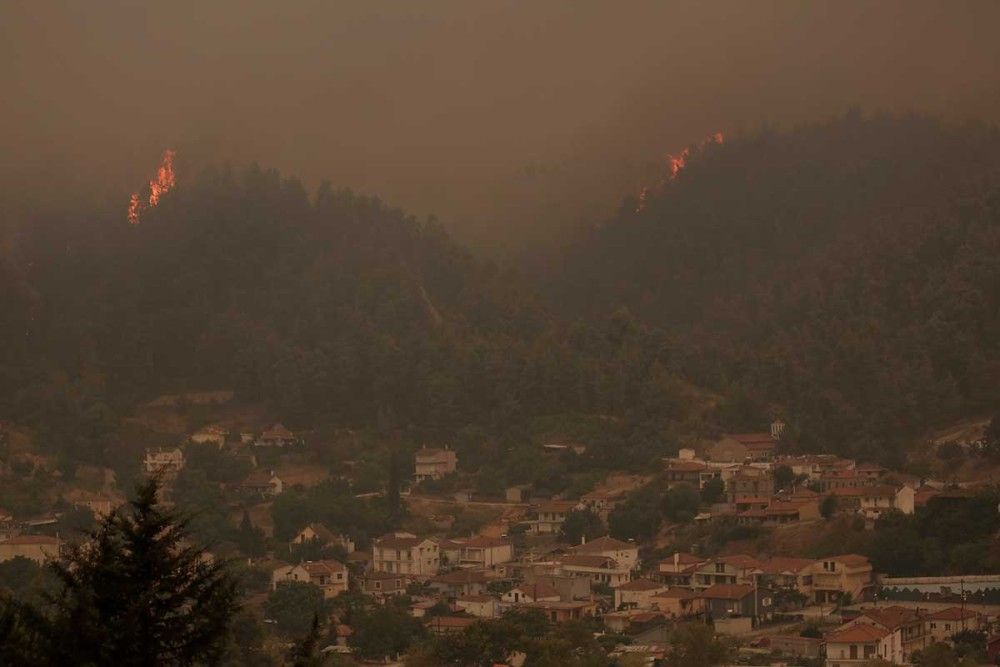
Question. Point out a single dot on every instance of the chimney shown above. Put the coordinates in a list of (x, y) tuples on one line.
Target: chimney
[(677, 561), (583, 539)]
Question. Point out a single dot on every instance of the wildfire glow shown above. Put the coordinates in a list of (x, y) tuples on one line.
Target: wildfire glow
[(159, 186), (675, 165)]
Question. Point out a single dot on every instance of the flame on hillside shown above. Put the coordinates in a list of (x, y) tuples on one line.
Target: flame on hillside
[(675, 165), (163, 183)]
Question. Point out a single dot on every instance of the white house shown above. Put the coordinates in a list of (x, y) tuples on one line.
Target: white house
[(432, 463), (481, 551), (165, 461), (329, 575), (405, 553), (625, 554)]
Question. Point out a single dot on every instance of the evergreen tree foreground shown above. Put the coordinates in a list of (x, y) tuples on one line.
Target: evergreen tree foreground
[(136, 593)]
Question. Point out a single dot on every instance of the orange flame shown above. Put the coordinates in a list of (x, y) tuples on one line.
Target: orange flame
[(161, 185), (675, 165)]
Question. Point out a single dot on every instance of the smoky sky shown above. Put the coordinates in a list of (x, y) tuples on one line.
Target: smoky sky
[(499, 117)]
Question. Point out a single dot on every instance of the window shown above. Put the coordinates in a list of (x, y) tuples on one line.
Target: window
[(854, 651)]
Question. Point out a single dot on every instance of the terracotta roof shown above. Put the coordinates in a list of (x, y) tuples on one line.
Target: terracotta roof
[(606, 543), (891, 617), (640, 585), (738, 560), (781, 565), (676, 592), (557, 505), (457, 622), (850, 560), (861, 633), (952, 614), (587, 561), (683, 558), (726, 592), (482, 542), (322, 532), (317, 567)]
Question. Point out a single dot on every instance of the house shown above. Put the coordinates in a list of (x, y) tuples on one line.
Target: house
[(679, 569), (213, 434), (637, 594), (749, 481), (724, 600), (736, 569), (626, 554), (835, 577), (263, 484), (907, 629), (460, 583), (598, 569), (601, 502), (782, 573), (276, 436), (560, 612), (876, 500), (432, 463), (942, 625), (567, 586), (758, 446), (551, 515), (39, 548), (480, 606), (163, 461), (676, 602), (324, 537), (383, 584), (330, 576), (405, 553), (481, 551), (536, 592), (450, 551), (684, 472), (857, 645), (842, 479)]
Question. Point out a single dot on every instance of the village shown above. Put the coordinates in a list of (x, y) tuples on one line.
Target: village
[(463, 557)]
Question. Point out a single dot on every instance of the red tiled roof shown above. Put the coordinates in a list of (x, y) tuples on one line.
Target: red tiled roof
[(861, 633), (640, 585), (781, 564), (952, 614), (587, 561), (606, 543), (537, 591), (891, 617)]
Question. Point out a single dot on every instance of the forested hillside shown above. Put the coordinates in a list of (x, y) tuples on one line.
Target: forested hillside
[(330, 308), (845, 275)]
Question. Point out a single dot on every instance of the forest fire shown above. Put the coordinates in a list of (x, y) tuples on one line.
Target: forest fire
[(159, 186), (676, 164)]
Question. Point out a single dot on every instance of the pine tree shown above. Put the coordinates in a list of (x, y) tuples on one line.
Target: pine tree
[(305, 653), (136, 593)]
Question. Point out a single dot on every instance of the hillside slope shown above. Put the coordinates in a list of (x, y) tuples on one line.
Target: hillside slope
[(846, 275)]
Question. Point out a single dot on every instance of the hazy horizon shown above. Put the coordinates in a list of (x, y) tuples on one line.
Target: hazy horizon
[(497, 117)]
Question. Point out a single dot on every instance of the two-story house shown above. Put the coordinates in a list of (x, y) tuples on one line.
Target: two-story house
[(877, 500), (317, 532), (598, 569), (433, 463), (625, 554), (906, 627), (726, 600), (551, 516), (736, 569), (943, 624), (749, 481), (482, 551), (857, 645), (405, 553), (638, 594), (835, 577), (329, 575)]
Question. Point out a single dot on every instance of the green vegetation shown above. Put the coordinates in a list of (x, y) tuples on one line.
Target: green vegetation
[(135, 594)]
